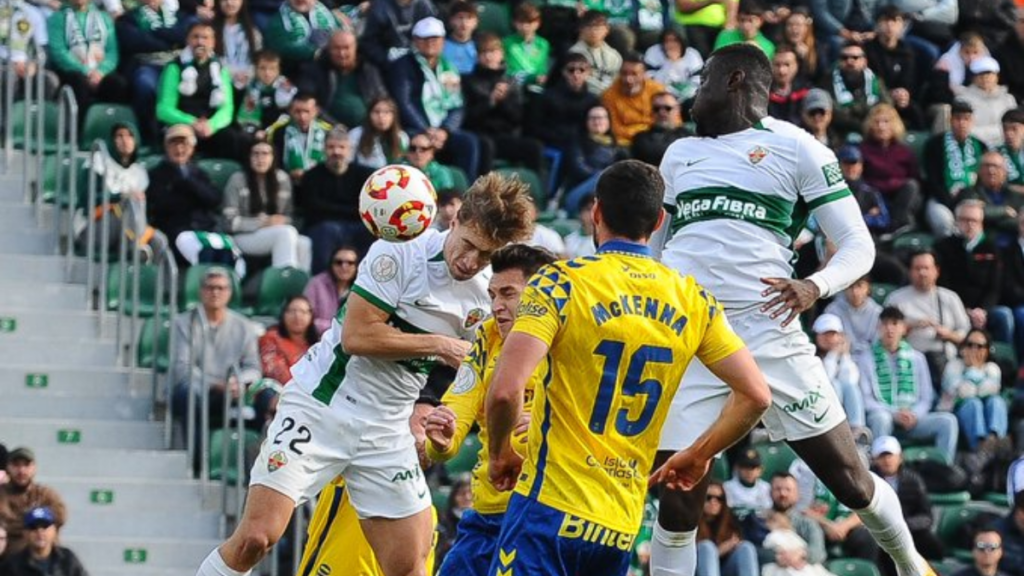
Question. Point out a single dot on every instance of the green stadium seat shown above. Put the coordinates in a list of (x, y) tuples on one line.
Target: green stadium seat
[(947, 567), (219, 170), (100, 119), (531, 179), (775, 457), (880, 291), (909, 242), (147, 289), (720, 470), (465, 460), (997, 498), (1004, 351), (56, 184), (950, 498), (852, 567), (247, 443), (151, 160), (193, 280), (154, 354), (460, 179), (919, 453), (495, 17), (277, 285), (916, 141), (954, 519), (51, 112), (564, 227)]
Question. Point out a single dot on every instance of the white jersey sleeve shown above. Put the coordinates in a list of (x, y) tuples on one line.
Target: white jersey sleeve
[(819, 177), (384, 274)]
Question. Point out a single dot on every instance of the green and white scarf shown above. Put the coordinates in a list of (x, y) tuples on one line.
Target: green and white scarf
[(442, 90), (150, 19), (898, 390), (872, 90), (301, 26), (190, 78), (1014, 164), (87, 46), (302, 151), (961, 161), (15, 31)]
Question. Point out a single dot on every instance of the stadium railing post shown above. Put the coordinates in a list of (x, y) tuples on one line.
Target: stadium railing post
[(171, 278), (8, 107), (97, 159), (40, 149), (134, 325), (26, 138), (68, 99), (122, 276)]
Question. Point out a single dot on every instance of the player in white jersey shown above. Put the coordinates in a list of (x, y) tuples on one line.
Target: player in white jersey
[(738, 195), (413, 305)]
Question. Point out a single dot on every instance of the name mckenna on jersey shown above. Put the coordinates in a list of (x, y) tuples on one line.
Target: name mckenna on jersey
[(637, 305), (720, 204)]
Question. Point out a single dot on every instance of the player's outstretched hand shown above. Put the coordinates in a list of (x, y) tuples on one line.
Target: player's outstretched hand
[(441, 427), (792, 297), (504, 469), (682, 471), (452, 351)]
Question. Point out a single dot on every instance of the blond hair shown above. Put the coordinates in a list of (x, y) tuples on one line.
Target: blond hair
[(899, 129), (500, 207)]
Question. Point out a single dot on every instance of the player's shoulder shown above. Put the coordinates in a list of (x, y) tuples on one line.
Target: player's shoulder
[(782, 131)]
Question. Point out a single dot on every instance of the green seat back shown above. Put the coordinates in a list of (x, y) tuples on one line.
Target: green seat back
[(852, 567), (465, 460), (99, 120), (277, 285), (1004, 351), (219, 170), (880, 291), (531, 179), (775, 457), (194, 280), (950, 498), (720, 470), (459, 178), (916, 141), (495, 17), (919, 453), (250, 439), (51, 113), (150, 161), (147, 289), (954, 518), (909, 242), (152, 353), (947, 567), (564, 227)]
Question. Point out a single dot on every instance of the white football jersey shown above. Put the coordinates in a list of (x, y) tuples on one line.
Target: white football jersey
[(737, 202), (411, 282)]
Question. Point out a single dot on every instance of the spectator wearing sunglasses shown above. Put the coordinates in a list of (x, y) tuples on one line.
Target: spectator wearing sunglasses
[(971, 386), (721, 548), (986, 553), (328, 290), (1011, 529)]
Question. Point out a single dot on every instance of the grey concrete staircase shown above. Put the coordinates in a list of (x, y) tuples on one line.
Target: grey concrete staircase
[(133, 509)]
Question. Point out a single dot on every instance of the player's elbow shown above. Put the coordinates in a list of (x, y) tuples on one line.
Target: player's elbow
[(501, 397), (758, 396)]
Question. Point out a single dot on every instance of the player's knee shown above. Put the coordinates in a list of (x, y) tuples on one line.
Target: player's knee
[(679, 511), (853, 485), (254, 544)]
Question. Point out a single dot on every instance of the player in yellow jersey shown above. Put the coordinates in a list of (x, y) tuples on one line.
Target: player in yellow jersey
[(335, 543), (463, 404), (618, 329)]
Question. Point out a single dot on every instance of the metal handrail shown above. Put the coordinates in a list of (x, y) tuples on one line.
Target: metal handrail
[(98, 156), (31, 101), (41, 138), (225, 443), (8, 104), (164, 260), (67, 139)]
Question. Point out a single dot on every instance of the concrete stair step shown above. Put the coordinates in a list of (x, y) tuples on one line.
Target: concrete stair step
[(111, 463), (79, 324), (95, 435), (140, 556), (16, 214), (45, 404), (131, 494), (26, 239), (35, 269), (70, 353), (88, 381), (143, 526), (49, 295)]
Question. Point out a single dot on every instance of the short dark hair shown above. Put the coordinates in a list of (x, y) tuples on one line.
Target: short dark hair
[(303, 96), (751, 7), (525, 12), (462, 7), (923, 252), (782, 475), (633, 57), (890, 12), (851, 44), (892, 314), (266, 55), (631, 194), (587, 201), (487, 41), (527, 259), (593, 18), (748, 58), (574, 58), (1015, 116)]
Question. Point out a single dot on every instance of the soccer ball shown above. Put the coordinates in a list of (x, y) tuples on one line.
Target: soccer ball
[(397, 203)]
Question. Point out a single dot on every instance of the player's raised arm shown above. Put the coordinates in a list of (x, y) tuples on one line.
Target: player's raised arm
[(366, 332)]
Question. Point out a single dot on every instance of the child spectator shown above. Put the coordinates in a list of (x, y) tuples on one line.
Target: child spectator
[(956, 61), (790, 556), (1012, 148), (604, 60), (266, 97), (749, 21), (581, 242), (527, 55), (459, 47)]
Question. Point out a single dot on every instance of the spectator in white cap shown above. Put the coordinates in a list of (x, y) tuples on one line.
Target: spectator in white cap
[(428, 89), (834, 351), (989, 99), (790, 556), (887, 462)]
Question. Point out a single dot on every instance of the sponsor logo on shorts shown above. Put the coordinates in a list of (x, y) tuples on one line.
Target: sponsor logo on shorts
[(819, 417), (809, 403), (277, 460), (577, 528), (384, 268), (407, 475)]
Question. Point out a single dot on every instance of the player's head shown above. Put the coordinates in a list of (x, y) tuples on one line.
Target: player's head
[(495, 211), (735, 83), (424, 405), (512, 266), (629, 196)]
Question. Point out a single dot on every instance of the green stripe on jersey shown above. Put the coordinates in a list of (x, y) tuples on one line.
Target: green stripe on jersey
[(716, 203), (330, 381), (830, 197), (373, 299)]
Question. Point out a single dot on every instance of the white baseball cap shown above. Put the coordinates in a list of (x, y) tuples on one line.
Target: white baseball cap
[(885, 445), (984, 65), (428, 27), (828, 323)]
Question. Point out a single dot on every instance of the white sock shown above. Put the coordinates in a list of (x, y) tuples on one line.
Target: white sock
[(884, 520), (673, 553), (214, 566)]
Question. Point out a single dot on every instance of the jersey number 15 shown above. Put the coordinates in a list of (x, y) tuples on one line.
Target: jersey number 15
[(633, 385)]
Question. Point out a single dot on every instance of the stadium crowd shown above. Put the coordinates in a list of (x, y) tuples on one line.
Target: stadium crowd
[(302, 99)]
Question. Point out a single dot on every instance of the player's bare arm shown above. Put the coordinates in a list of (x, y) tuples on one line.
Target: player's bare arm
[(366, 333), (520, 356), (748, 401)]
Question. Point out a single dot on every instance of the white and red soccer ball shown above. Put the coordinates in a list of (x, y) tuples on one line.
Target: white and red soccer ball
[(397, 203)]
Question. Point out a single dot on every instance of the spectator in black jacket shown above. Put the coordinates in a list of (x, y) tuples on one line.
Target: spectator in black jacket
[(564, 104), (1009, 56), (855, 88), (1011, 528), (650, 146), (43, 556), (789, 86), (387, 35), (986, 551), (494, 107), (596, 150), (951, 162), (887, 462), (1013, 283), (343, 82), (993, 19), (328, 199), (1002, 203), (428, 90), (180, 198), (970, 266), (894, 61)]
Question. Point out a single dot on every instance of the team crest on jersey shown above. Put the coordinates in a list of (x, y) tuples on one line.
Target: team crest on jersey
[(474, 317), (277, 460), (23, 26), (756, 154), (384, 268)]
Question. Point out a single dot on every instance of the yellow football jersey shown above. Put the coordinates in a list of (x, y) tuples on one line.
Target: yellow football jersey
[(466, 398), (622, 329), (334, 540)]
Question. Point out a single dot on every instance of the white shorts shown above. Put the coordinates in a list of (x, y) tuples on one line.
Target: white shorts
[(309, 443), (804, 403)]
